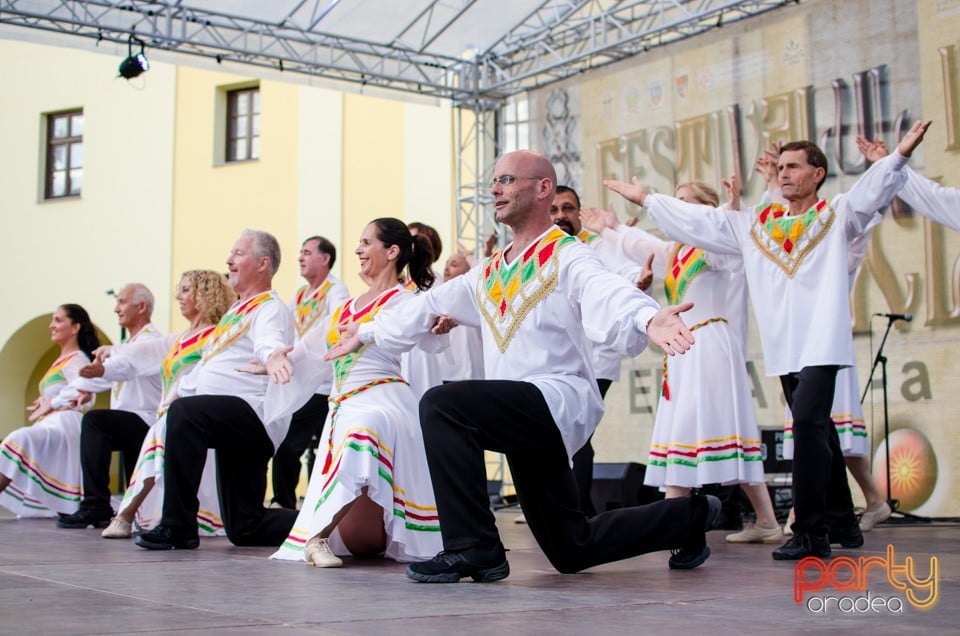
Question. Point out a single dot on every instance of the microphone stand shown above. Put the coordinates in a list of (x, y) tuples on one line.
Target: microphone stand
[(881, 361)]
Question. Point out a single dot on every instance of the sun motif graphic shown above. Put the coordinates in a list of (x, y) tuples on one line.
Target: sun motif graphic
[(905, 469), (913, 467)]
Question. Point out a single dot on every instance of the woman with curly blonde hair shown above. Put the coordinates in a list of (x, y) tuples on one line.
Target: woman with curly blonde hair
[(204, 297)]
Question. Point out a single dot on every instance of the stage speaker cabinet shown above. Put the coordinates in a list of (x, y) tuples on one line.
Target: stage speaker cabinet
[(620, 485), (771, 449), (777, 471)]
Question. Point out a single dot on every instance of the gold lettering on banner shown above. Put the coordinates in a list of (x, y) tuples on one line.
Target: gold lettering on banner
[(938, 310), (917, 385), (697, 147), (714, 145), (951, 95), (859, 313), (786, 117), (869, 105)]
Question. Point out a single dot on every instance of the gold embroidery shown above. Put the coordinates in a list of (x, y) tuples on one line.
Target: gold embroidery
[(790, 262)]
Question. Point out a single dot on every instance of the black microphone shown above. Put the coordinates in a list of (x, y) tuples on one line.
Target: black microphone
[(904, 317)]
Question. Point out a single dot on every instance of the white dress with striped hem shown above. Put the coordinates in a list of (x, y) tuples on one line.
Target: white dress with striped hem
[(706, 431), (43, 459), (371, 439)]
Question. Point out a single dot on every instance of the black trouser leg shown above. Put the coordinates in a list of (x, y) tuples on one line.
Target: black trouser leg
[(583, 464), (229, 425), (821, 493), (461, 420), (101, 433), (305, 423)]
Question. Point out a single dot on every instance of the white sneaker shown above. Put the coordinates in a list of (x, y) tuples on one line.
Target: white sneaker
[(318, 554), (753, 534), (871, 518), (118, 529)]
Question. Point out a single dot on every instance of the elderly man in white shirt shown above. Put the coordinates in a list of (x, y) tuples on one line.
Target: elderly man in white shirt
[(222, 408), (134, 399), (537, 303)]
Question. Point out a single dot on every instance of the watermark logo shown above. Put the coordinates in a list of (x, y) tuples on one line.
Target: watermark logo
[(814, 578)]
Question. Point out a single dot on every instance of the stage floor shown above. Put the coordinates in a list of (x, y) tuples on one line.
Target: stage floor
[(74, 582)]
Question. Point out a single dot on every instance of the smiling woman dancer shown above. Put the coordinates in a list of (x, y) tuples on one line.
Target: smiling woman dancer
[(372, 493), (40, 464), (204, 296)]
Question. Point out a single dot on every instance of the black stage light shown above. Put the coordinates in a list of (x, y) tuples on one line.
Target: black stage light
[(134, 65)]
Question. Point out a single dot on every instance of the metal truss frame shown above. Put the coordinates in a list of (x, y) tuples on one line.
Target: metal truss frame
[(558, 39)]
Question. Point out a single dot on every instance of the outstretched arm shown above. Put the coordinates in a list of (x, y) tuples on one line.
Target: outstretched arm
[(633, 191), (668, 331), (875, 189)]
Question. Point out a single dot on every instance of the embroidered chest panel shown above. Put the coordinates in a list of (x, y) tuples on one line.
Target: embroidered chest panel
[(184, 353), (345, 315), (54, 374), (688, 262), (234, 324), (309, 307), (508, 292), (786, 240)]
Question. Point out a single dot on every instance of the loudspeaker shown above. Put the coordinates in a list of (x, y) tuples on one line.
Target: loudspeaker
[(771, 449), (620, 485)]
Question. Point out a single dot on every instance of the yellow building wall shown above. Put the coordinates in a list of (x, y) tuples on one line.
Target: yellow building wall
[(213, 201), (117, 231)]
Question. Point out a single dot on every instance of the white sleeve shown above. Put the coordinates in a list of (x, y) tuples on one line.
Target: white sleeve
[(139, 358), (401, 327), (272, 329), (310, 371), (638, 245), (711, 229), (873, 191), (932, 200), (614, 260), (614, 312)]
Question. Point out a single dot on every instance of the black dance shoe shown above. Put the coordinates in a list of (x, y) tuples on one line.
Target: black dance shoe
[(706, 515), (482, 565), (85, 518), (802, 545), (166, 538)]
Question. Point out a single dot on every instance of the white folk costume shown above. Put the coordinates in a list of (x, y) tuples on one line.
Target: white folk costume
[(252, 329), (846, 412), (421, 367), (182, 353), (313, 308), (706, 431), (531, 330), (796, 266), (134, 387), (606, 360), (463, 359), (371, 440), (43, 459)]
